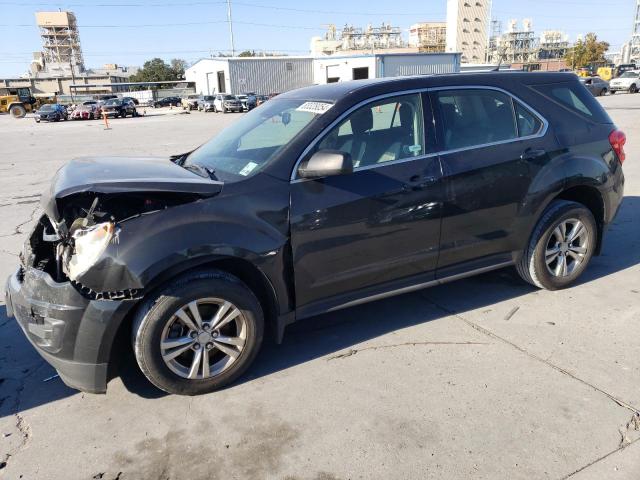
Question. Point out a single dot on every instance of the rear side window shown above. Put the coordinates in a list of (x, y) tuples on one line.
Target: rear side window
[(474, 117), (573, 96)]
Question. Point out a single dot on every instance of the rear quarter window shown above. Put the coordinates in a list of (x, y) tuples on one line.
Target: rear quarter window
[(576, 98)]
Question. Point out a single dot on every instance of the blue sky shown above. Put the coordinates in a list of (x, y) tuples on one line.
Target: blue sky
[(191, 29)]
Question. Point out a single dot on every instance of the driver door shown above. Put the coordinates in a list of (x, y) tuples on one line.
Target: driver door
[(353, 235)]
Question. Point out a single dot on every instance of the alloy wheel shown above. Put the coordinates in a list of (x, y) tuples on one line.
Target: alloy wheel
[(203, 338), (567, 247)]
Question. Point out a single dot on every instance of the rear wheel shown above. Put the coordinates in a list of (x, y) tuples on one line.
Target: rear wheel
[(603, 92), (561, 246), (199, 334), (17, 111)]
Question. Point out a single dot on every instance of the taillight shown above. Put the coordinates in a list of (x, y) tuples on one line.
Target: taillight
[(617, 139)]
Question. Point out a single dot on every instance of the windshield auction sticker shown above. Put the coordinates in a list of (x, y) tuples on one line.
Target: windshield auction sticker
[(314, 107)]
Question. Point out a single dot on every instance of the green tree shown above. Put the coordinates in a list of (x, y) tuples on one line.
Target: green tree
[(179, 66), (157, 70), (248, 53), (587, 51)]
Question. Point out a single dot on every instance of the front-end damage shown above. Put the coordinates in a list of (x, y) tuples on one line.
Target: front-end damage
[(89, 203), (72, 248)]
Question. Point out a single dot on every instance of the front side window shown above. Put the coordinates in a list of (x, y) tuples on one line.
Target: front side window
[(252, 142), (475, 117), (383, 131)]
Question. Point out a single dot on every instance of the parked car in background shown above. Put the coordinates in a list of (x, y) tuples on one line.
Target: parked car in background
[(190, 102), (323, 198), (206, 103), (595, 85), (248, 101), (167, 102), (85, 112), (226, 103), (629, 81), (260, 99), (134, 100), (117, 107), (51, 112)]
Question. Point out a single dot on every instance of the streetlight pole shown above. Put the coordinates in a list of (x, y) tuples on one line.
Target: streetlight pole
[(233, 48)]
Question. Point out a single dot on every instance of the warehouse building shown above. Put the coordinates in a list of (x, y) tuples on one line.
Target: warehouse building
[(261, 75), (264, 75), (358, 67)]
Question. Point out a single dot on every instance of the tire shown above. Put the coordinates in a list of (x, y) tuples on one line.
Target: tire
[(633, 89), (18, 111), (157, 320), (533, 266), (215, 110), (613, 92), (603, 92)]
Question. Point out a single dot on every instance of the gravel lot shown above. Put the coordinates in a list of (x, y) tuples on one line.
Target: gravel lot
[(482, 378)]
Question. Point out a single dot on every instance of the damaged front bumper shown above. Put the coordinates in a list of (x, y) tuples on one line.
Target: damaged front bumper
[(71, 332)]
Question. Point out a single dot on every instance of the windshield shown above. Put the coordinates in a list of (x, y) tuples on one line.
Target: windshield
[(229, 97), (253, 141), (629, 75), (209, 98), (46, 108), (113, 101), (193, 97)]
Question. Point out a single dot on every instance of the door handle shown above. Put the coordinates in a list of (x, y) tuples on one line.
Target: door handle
[(418, 182), (532, 154)]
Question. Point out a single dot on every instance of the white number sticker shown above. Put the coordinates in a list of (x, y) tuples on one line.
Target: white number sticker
[(248, 168), (314, 107)]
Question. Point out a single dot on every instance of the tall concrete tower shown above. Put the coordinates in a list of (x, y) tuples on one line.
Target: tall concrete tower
[(635, 36), (61, 52), (468, 28)]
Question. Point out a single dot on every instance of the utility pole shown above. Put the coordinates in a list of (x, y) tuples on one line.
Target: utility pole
[(233, 48)]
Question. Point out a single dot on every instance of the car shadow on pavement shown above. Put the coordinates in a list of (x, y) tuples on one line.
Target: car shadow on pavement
[(23, 373)]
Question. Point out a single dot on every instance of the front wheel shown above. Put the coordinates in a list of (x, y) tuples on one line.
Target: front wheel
[(560, 247), (633, 88), (199, 334), (603, 92)]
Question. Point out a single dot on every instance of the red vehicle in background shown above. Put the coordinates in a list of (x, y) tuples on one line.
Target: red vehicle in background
[(86, 111)]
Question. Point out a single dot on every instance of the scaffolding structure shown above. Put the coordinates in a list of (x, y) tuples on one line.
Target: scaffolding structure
[(554, 44), (429, 37), (516, 46), (61, 51), (383, 37)]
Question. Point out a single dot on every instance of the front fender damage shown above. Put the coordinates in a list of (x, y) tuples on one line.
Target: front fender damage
[(52, 244)]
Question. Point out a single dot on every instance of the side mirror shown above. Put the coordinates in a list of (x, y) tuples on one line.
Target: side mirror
[(326, 163)]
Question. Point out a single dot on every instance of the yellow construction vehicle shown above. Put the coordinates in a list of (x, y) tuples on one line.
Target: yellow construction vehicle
[(16, 101)]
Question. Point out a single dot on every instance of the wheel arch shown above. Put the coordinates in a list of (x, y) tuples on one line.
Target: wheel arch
[(590, 197), (255, 279)]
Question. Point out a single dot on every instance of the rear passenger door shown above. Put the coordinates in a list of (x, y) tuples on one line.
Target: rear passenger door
[(488, 142)]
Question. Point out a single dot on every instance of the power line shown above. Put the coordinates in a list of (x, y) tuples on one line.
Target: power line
[(151, 25)]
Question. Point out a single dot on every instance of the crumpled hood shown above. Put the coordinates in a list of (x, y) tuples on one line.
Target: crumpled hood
[(122, 175)]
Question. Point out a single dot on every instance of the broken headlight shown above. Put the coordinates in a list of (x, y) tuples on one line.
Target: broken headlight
[(89, 244)]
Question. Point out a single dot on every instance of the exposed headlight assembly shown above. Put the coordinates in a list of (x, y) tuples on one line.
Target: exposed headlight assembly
[(89, 244)]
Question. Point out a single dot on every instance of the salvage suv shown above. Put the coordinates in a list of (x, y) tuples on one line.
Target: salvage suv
[(323, 198)]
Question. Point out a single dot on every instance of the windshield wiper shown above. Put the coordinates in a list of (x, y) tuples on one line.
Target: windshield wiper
[(201, 170)]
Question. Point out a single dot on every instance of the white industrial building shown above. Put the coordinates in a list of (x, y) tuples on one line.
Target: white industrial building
[(467, 28), (264, 75), (261, 75), (357, 67)]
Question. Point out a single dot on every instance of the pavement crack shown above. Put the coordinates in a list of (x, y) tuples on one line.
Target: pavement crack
[(599, 459), (354, 351), (632, 425), (490, 334)]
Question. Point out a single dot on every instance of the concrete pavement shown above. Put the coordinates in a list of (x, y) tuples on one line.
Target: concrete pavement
[(483, 378)]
